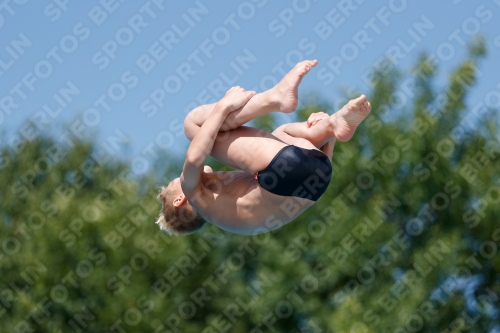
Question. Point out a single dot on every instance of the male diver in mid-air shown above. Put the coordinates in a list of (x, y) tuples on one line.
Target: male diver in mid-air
[(282, 173)]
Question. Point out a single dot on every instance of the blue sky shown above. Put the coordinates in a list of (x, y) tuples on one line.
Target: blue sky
[(130, 69)]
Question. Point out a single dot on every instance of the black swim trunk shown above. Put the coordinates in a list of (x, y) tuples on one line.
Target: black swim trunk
[(297, 172)]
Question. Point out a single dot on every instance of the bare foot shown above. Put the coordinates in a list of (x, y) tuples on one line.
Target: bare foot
[(287, 90), (349, 117)]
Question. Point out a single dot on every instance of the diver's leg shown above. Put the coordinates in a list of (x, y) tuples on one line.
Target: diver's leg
[(340, 125), (281, 98), (246, 148)]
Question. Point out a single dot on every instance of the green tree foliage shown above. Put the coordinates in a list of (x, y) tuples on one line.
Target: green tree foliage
[(404, 240)]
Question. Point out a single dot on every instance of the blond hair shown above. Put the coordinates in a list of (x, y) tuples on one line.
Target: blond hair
[(177, 221)]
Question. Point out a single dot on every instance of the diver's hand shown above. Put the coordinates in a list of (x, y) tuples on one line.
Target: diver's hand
[(236, 98), (316, 117)]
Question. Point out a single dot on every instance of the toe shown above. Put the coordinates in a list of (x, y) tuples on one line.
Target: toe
[(351, 105), (311, 64), (306, 65), (366, 106), (303, 70), (301, 64), (360, 100)]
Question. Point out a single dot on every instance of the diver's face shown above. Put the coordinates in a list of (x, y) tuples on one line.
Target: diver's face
[(175, 186)]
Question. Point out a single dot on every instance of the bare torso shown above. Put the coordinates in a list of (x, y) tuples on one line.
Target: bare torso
[(234, 201)]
